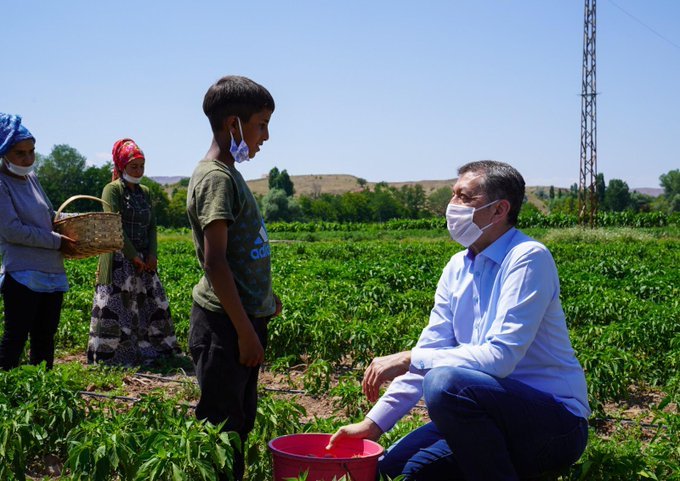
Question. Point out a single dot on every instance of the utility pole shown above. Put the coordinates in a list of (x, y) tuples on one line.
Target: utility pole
[(587, 192)]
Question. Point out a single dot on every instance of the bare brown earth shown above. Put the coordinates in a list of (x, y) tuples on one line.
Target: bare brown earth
[(182, 383)]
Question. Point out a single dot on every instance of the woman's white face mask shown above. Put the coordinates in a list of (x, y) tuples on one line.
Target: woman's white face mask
[(132, 180), (18, 169), (460, 225)]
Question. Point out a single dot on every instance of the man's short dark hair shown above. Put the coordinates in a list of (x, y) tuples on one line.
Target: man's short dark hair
[(235, 95), (501, 181)]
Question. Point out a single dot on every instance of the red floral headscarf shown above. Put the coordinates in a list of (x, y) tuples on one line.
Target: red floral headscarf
[(124, 151)]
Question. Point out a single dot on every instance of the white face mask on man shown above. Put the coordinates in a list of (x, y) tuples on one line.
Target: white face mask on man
[(18, 169), (460, 225)]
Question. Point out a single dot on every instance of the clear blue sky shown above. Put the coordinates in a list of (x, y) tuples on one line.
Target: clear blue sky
[(387, 90)]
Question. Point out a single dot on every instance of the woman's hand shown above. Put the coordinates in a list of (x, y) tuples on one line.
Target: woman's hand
[(383, 369), (138, 264), (151, 264), (366, 429), (67, 246)]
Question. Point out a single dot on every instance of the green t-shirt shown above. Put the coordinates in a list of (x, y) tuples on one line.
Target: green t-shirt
[(219, 192)]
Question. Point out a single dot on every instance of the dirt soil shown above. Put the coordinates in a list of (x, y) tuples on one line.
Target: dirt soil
[(636, 409)]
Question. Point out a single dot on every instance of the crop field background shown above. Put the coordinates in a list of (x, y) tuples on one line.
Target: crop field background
[(349, 296)]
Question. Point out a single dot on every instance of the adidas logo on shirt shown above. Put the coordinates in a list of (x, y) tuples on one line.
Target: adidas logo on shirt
[(261, 249)]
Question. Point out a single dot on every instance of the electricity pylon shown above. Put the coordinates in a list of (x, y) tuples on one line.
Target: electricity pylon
[(587, 192)]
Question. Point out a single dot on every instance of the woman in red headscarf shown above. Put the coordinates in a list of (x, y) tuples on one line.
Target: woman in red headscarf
[(131, 321)]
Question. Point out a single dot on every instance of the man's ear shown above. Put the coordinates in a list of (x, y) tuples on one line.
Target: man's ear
[(503, 208)]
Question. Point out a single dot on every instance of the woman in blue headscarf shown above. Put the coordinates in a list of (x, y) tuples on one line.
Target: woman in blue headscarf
[(32, 276)]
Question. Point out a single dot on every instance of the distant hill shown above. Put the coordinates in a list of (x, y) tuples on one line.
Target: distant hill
[(164, 180), (321, 184), (339, 184), (316, 184), (653, 191)]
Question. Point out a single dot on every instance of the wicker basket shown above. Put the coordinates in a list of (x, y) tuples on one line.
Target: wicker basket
[(95, 232)]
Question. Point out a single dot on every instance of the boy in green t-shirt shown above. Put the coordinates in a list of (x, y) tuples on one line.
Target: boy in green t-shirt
[(233, 301)]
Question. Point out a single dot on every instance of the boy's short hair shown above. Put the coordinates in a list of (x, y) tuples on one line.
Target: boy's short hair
[(235, 95), (501, 181)]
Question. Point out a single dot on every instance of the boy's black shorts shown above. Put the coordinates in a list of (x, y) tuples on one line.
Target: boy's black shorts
[(228, 388)]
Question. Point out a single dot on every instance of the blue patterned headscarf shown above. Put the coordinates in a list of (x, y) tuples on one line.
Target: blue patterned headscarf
[(11, 132)]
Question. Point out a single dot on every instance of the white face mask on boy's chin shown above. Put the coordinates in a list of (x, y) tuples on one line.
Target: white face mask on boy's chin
[(18, 169), (239, 152)]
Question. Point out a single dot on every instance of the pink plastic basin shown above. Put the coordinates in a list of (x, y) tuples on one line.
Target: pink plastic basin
[(357, 459)]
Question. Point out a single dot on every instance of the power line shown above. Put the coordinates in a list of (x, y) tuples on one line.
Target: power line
[(662, 37)]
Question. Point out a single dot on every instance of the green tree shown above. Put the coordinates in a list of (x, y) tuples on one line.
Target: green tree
[(670, 182), (159, 200), (278, 206), (567, 204), (384, 204), (675, 203), (438, 200), (177, 209), (354, 207), (617, 196), (281, 180), (573, 190), (641, 202), (529, 208), (671, 189), (63, 174), (321, 207), (272, 177), (600, 188), (412, 198), (551, 194)]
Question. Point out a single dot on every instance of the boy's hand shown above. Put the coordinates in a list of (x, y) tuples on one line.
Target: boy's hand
[(250, 350), (279, 306)]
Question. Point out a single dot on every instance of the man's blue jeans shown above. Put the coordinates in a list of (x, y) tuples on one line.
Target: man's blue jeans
[(486, 429)]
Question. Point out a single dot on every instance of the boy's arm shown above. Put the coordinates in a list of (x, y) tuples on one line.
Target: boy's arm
[(215, 237)]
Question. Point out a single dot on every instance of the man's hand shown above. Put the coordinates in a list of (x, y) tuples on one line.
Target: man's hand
[(365, 429), (67, 246), (384, 369), (250, 349)]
